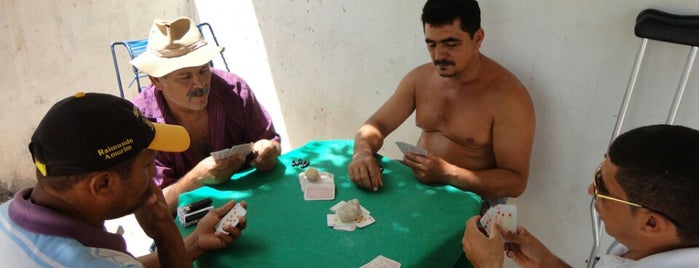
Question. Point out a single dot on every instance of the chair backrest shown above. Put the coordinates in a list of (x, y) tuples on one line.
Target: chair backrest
[(136, 47)]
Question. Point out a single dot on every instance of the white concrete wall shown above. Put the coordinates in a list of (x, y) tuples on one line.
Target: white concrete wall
[(50, 49), (330, 64)]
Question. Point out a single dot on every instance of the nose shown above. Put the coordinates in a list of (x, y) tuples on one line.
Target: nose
[(198, 81), (440, 51)]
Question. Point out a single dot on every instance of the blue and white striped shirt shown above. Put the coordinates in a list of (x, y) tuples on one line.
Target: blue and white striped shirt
[(35, 236)]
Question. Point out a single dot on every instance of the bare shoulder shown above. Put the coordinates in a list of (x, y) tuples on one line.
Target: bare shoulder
[(416, 79), (503, 85), (419, 73), (499, 77)]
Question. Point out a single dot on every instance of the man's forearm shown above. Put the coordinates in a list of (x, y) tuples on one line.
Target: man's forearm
[(171, 253), (368, 140), (490, 183), (173, 191), (191, 246)]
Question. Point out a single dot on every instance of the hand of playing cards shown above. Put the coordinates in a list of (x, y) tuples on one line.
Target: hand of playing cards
[(232, 218), (244, 149), (504, 215), (409, 148)]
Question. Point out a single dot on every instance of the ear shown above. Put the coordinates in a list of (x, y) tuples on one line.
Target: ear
[(655, 223), (103, 183), (157, 82), (478, 37)]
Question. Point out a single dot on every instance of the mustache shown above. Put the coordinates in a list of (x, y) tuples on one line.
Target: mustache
[(443, 62), (198, 93)]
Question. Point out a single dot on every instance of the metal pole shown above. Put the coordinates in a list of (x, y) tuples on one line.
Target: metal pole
[(629, 91), (681, 87)]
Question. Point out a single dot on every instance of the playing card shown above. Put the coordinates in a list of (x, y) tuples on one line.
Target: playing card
[(504, 215), (507, 217), (243, 149), (332, 220), (221, 154), (365, 220), (409, 148), (325, 178), (381, 262), (232, 218), (319, 191), (487, 221), (336, 206), (341, 203), (337, 224)]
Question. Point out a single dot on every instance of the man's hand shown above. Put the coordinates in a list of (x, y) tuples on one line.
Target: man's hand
[(153, 214), (481, 250), (364, 171), (156, 221), (210, 171), (528, 251), (427, 169), (205, 238), (266, 152)]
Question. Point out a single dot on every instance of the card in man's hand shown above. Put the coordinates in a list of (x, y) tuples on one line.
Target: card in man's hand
[(232, 218), (409, 148), (505, 215), (244, 149)]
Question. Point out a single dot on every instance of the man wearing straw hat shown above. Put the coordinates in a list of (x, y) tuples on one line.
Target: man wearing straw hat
[(217, 108)]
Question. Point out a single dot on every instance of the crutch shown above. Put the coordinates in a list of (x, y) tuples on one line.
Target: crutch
[(660, 26)]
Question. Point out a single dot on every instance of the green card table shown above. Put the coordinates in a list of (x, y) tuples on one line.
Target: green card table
[(416, 225)]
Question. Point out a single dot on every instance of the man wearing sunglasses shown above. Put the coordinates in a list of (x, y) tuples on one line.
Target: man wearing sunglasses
[(645, 192)]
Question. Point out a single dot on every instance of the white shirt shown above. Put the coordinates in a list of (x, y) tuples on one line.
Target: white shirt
[(678, 258)]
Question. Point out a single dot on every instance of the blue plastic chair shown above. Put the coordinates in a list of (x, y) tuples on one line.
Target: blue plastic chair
[(136, 47)]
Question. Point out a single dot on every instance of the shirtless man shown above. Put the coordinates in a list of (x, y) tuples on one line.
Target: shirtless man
[(477, 119)]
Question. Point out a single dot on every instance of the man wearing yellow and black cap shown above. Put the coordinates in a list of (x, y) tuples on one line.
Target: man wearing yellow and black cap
[(94, 157)]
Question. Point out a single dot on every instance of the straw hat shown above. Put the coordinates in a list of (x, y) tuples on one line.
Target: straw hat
[(174, 45)]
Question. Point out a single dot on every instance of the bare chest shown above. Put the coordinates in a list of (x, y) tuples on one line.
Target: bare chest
[(466, 119)]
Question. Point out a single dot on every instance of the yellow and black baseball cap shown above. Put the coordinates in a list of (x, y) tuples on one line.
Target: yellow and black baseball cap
[(93, 131)]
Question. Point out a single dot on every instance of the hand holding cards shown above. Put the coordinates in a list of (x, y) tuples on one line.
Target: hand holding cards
[(409, 148), (244, 149), (232, 218), (504, 215)]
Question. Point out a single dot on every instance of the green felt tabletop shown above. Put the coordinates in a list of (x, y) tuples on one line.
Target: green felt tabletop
[(417, 225)]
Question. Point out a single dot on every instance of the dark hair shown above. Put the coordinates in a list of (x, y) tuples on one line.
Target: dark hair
[(658, 167), (444, 12), (63, 183)]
